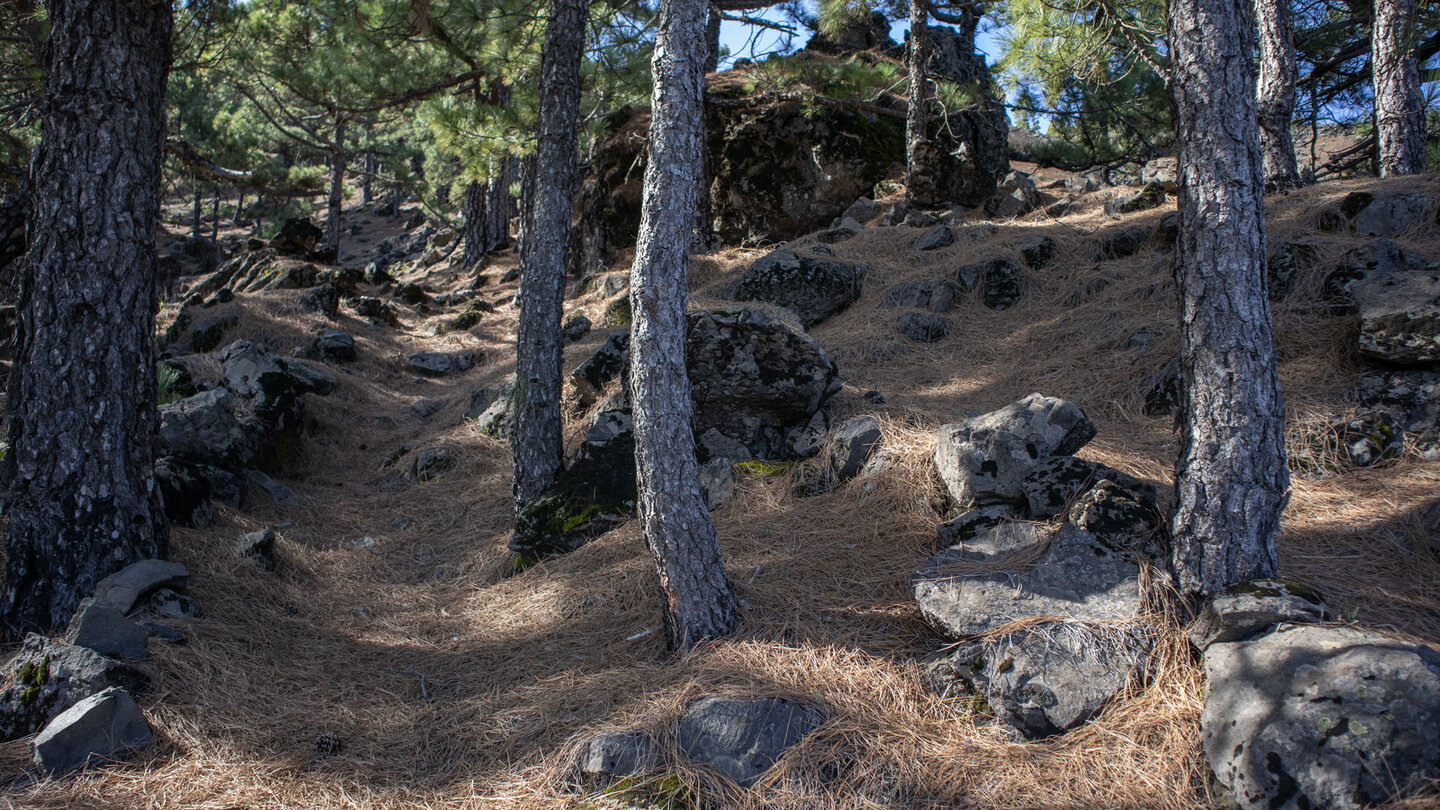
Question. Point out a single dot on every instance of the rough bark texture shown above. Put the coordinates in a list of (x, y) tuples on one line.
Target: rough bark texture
[(334, 206), (712, 41), (1275, 94), (476, 195), (700, 602), (917, 110), (1399, 107), (83, 417), (1231, 478), (538, 445), (14, 221)]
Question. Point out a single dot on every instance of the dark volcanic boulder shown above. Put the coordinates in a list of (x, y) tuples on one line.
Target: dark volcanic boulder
[(1397, 295), (185, 491), (754, 379), (206, 429), (297, 237), (813, 288), (47, 677), (743, 738), (1313, 716)]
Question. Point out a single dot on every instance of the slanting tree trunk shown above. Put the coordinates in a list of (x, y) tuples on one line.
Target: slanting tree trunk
[(917, 110), (1231, 479), (83, 415), (1275, 95), (335, 205), (1399, 107), (538, 445), (699, 601), (476, 195)]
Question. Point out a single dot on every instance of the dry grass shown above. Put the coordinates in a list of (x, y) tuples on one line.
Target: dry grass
[(455, 685)]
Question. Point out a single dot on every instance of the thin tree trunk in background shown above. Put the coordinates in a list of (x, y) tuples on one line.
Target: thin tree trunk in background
[(366, 181), (195, 209), (215, 220), (239, 206), (1275, 95), (917, 111), (83, 413), (538, 446), (699, 600), (335, 205), (499, 203), (1231, 480), (712, 40), (474, 235), (1399, 106)]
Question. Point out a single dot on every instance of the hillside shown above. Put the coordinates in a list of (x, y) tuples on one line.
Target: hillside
[(396, 658)]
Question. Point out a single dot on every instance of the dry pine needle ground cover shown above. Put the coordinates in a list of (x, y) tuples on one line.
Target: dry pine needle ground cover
[(431, 677)]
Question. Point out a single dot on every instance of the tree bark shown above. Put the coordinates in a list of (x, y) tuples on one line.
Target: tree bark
[(1231, 479), (83, 413), (538, 446), (335, 205), (917, 110), (712, 40), (1275, 95), (476, 195), (1399, 107), (699, 600)]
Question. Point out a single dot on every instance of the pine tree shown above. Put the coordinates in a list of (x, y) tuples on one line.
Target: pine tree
[(1231, 478), (699, 600), (82, 400), (1275, 94), (1399, 107)]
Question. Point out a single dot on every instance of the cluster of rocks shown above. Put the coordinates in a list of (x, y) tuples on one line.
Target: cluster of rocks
[(738, 738), (215, 441), (1049, 618), (78, 693), (757, 382)]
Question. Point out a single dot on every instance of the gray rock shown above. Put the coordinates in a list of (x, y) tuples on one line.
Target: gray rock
[(169, 604), (334, 344), (205, 429), (1392, 214), (435, 364), (862, 210), (1016, 196), (1085, 182), (919, 219), (814, 289), (1284, 266), (612, 755), (839, 232), (101, 726), (1056, 482), (1248, 609), (498, 418), (278, 493), (105, 630), (807, 440), (1038, 251), (717, 481), (432, 461), (1151, 196), (1410, 397), (937, 237), (1118, 243), (259, 546), (323, 300), (1313, 716), (1122, 517), (964, 595), (922, 328), (1047, 678), (974, 523), (1163, 170), (426, 408), (936, 296), (1398, 297), (853, 443), (47, 677), (743, 738), (124, 589), (164, 632), (607, 363), (1001, 289), (986, 459), (574, 328)]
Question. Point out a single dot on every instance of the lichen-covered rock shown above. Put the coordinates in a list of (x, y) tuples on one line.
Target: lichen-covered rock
[(496, 418), (1285, 265), (1410, 397), (272, 385), (47, 677), (814, 289), (435, 364), (607, 363), (1151, 196), (1056, 482), (1367, 439), (991, 534), (1164, 171), (1314, 716), (1001, 288), (1122, 517), (1077, 577), (986, 459), (922, 328), (743, 738), (575, 328), (612, 755), (1397, 295), (1015, 197), (1047, 678), (124, 589), (1247, 609), (101, 726)]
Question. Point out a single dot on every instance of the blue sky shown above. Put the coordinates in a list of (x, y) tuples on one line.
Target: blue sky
[(740, 38)]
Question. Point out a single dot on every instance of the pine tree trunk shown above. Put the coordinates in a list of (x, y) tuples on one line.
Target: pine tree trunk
[(538, 445), (1231, 479), (1275, 95), (917, 111), (367, 191), (215, 222), (83, 422), (1399, 107), (712, 40), (195, 208), (239, 206), (700, 602), (475, 220), (335, 205), (500, 203)]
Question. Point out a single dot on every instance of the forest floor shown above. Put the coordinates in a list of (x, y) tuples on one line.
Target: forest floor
[(395, 630)]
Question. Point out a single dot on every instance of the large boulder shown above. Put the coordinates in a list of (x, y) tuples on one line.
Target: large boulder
[(742, 738), (208, 429), (1397, 295), (1387, 214), (964, 592), (272, 385), (297, 237), (47, 677), (986, 459), (813, 288), (1313, 716), (101, 726)]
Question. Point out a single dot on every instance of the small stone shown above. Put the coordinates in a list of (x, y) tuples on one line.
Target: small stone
[(973, 524), (922, 328), (743, 738), (937, 237), (853, 444), (334, 344), (432, 461), (1254, 607), (106, 631), (260, 546), (426, 408), (123, 590), (278, 493), (102, 726), (575, 328), (862, 210), (612, 755), (168, 604)]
